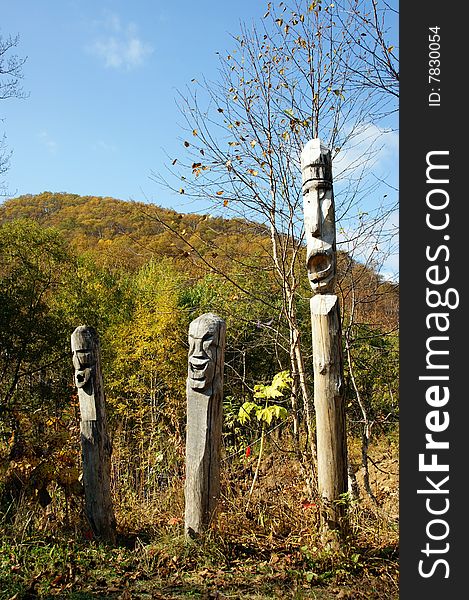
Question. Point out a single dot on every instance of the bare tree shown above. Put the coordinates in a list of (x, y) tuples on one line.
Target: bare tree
[(11, 74), (374, 47), (293, 77)]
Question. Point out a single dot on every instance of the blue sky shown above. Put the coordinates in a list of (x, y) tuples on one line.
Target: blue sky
[(102, 78)]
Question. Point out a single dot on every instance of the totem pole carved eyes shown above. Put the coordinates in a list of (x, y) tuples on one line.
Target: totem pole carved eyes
[(83, 356)]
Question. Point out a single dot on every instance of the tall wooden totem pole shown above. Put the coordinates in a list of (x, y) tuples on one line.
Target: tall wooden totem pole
[(319, 220), (204, 421), (95, 441)]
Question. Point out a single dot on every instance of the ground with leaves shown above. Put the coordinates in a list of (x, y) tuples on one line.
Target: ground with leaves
[(265, 549)]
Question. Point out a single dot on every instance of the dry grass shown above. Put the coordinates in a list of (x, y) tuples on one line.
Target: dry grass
[(265, 548)]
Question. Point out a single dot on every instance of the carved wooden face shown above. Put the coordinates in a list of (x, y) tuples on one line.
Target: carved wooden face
[(320, 239), (319, 218), (83, 360), (204, 336)]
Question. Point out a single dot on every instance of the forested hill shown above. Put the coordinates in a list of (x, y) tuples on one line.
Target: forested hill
[(121, 235), (131, 232)]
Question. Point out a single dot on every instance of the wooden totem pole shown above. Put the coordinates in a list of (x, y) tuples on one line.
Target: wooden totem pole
[(204, 421), (319, 219), (95, 442)]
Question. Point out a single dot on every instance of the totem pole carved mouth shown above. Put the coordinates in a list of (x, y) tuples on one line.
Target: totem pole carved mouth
[(82, 377), (198, 366), (321, 269)]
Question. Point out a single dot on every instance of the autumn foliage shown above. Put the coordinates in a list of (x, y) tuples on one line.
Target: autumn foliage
[(68, 260)]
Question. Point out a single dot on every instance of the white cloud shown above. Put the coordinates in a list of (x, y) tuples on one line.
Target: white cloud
[(366, 179), (372, 239), (48, 142), (105, 147), (119, 46), (112, 22), (371, 146)]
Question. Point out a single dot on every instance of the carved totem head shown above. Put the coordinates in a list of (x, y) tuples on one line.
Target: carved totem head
[(84, 340), (206, 346), (319, 216)]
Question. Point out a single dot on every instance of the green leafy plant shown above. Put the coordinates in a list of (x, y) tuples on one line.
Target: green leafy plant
[(265, 413)]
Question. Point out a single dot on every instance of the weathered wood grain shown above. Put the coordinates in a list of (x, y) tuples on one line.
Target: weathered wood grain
[(330, 411), (319, 216), (204, 421), (95, 441)]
